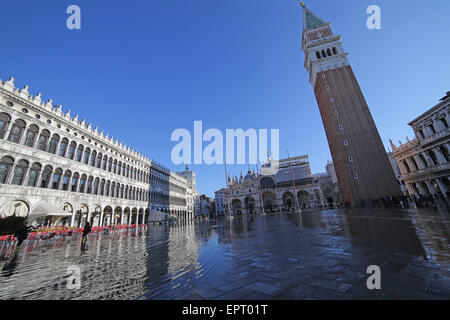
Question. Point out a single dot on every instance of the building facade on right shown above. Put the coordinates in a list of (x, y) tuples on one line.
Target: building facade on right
[(362, 167), (424, 161)]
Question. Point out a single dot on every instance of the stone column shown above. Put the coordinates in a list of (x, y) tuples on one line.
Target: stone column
[(100, 222)]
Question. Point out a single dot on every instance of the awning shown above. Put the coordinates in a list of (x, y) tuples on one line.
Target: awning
[(45, 209)]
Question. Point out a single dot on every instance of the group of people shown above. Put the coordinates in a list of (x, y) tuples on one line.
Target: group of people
[(21, 234)]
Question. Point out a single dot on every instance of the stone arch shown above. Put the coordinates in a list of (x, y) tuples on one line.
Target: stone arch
[(117, 215), (269, 201), (18, 208), (107, 215), (250, 204), (236, 207), (126, 215), (267, 183), (303, 198), (288, 200)]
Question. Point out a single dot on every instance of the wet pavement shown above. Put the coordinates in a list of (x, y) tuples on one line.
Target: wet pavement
[(313, 255)]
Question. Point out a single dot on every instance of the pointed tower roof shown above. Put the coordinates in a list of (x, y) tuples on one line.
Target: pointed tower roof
[(311, 20)]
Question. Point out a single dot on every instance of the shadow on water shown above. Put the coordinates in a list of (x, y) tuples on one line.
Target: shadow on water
[(186, 260)]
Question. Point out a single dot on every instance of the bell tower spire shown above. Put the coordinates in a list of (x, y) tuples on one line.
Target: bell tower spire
[(362, 167)]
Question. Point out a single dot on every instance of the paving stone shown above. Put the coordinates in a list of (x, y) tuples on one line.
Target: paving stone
[(264, 288)]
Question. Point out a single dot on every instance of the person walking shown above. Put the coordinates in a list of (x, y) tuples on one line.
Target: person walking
[(86, 231), (22, 234)]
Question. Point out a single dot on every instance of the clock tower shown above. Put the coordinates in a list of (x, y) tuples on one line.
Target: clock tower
[(362, 167)]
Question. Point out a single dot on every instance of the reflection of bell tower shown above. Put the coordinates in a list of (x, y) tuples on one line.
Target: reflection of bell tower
[(361, 163)]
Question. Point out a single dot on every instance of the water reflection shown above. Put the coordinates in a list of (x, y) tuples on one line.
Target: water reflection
[(187, 260)]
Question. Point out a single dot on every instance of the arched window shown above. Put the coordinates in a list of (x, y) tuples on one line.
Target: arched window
[(63, 147), (89, 185), (107, 188), (34, 174), (96, 182), (318, 54), (99, 161), (5, 119), (66, 180), (113, 189), (46, 175), (73, 184), (102, 187), (71, 151), (329, 52), (31, 135), (82, 183), (87, 153), (79, 153), (5, 167), (19, 172), (119, 168), (121, 191), (16, 131), (324, 55), (93, 157), (115, 166), (56, 178), (105, 161), (109, 164), (43, 140), (53, 144), (334, 50)]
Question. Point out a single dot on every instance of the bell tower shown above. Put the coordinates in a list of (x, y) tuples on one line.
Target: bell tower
[(362, 167)]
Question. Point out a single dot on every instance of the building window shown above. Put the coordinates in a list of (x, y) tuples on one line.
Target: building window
[(331, 99), (9, 104), (323, 75), (4, 123), (16, 131), (53, 144), (19, 172), (336, 113), (350, 159), (33, 175), (341, 127), (327, 87), (334, 50), (318, 54), (5, 166), (355, 176), (345, 143)]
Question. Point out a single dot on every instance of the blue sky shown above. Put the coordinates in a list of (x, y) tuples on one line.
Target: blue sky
[(141, 69)]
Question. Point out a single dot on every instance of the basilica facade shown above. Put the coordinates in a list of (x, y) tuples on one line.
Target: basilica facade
[(284, 184), (52, 160)]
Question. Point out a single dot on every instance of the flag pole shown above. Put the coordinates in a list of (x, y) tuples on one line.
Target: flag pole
[(260, 192), (293, 183)]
